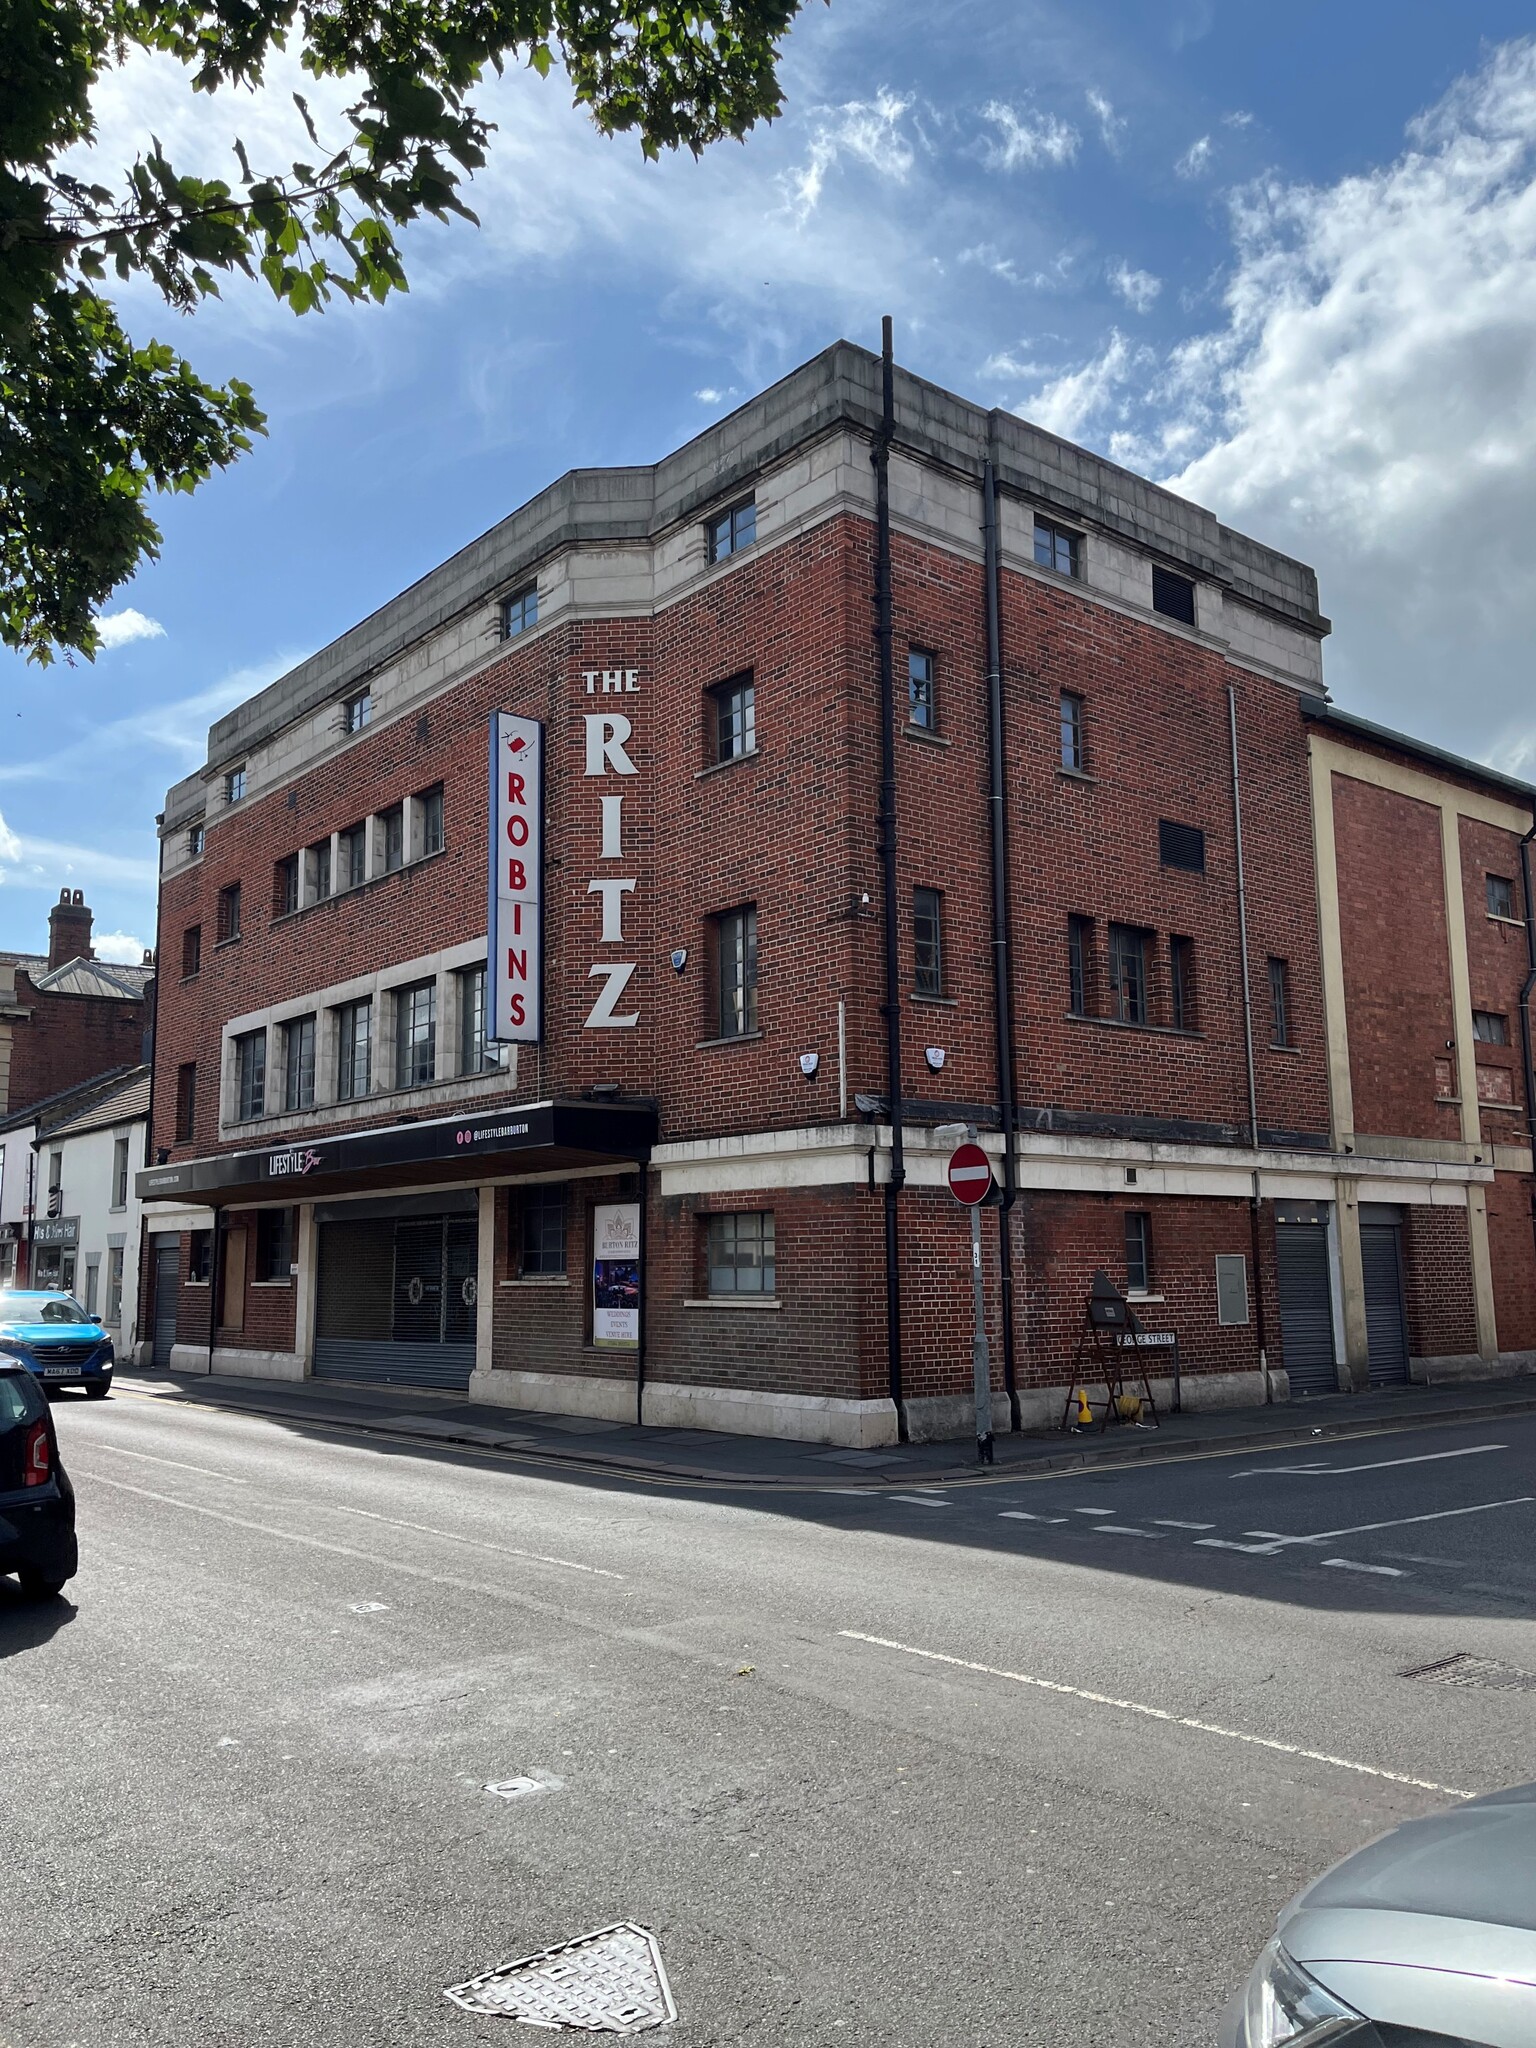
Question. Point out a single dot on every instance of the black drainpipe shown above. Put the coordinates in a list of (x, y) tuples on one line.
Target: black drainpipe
[(215, 1282), (1002, 974), (1525, 1006), (892, 1004)]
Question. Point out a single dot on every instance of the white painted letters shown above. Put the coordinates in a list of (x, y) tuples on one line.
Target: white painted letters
[(613, 893), (606, 735), (601, 1012), (613, 846)]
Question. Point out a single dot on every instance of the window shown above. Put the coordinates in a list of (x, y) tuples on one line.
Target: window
[(191, 949), (476, 1053), (415, 1034), (1072, 752), (357, 711), (1128, 973), (1181, 984), (319, 871), (200, 1258), (1181, 846), (541, 1247), (741, 1253), (920, 680), (186, 1102), (197, 839), (392, 827), (1079, 953), (274, 1244), (250, 1076), (519, 611), (354, 1050), (1173, 596), (120, 1173), (55, 1183), (1057, 548), (234, 785), (285, 886), (735, 718), (229, 913), (1279, 1002), (92, 1278), (736, 934), (1138, 1251), (352, 857), (927, 942), (732, 531), (299, 1064), (114, 1284), (1490, 1027), (430, 804), (1501, 896)]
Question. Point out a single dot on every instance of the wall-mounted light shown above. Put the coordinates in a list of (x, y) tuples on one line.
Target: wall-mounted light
[(934, 1055), (809, 1062)]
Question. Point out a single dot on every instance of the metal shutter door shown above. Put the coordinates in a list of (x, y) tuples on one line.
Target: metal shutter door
[(1386, 1337), (1306, 1308), (167, 1285), (379, 1308)]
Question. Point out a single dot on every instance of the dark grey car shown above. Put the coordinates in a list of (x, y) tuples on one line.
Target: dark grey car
[(1424, 1939)]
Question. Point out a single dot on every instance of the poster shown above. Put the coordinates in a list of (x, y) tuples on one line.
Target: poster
[(616, 1276)]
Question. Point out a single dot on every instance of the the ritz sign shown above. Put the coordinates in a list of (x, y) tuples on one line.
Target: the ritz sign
[(607, 736)]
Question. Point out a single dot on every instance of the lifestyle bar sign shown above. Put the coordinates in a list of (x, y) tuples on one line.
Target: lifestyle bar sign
[(516, 948)]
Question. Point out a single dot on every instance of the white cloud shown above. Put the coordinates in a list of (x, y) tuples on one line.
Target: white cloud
[(869, 131), (117, 629), (1196, 160), (1071, 402), (10, 845), (1026, 140), (1237, 119), (1111, 125), (119, 947), (1138, 288), (987, 256)]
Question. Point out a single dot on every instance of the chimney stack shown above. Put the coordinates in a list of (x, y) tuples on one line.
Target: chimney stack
[(69, 929)]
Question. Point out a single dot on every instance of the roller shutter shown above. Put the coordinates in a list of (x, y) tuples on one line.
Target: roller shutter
[(167, 1287), (1306, 1308), (1381, 1262), (395, 1300)]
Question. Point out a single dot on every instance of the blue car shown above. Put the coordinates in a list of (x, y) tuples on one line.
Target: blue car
[(54, 1338)]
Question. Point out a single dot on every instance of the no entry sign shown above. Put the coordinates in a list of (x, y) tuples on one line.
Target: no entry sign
[(970, 1175)]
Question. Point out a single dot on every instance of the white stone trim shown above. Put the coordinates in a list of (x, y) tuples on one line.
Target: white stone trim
[(158, 1221)]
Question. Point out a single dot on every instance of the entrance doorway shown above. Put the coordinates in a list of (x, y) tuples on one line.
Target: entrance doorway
[(167, 1287), (1386, 1317), (396, 1297), (1306, 1298)]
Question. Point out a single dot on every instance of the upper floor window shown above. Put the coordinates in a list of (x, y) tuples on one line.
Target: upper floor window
[(392, 831), (1490, 1027), (541, 1234), (519, 611), (1173, 596), (186, 1102), (921, 707), (250, 1076), (736, 980), (1079, 956), (1501, 896), (274, 1244), (430, 810), (735, 718), (191, 949), (1181, 846), (120, 1173), (1181, 983), (476, 1053), (354, 1050), (1279, 1001), (742, 1253), (415, 1034), (352, 857), (729, 532), (357, 711), (229, 912), (285, 886), (234, 785), (114, 1283), (299, 1063), (1128, 973), (197, 839), (1138, 1251), (319, 863), (927, 942), (1073, 753), (1058, 548)]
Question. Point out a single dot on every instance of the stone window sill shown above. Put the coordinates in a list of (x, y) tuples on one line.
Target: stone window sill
[(941, 1002), (537, 1280), (734, 1301), (232, 940), (736, 1038), (928, 738), (1075, 774), (1119, 1024), (1144, 1300), (270, 1283), (732, 761), (354, 888), (1293, 1051), (1515, 924)]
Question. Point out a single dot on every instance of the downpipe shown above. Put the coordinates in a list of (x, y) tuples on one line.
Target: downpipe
[(892, 1004), (1253, 1085), (1002, 972)]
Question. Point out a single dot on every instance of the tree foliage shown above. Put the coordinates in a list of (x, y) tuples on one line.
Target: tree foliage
[(91, 422)]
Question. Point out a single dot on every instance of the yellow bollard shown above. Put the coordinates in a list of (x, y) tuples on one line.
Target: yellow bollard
[(1084, 1412)]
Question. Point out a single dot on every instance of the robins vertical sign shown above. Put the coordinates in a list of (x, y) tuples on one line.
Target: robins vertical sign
[(516, 928)]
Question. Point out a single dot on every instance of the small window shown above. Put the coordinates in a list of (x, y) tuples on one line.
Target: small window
[(274, 1244), (1056, 547), (119, 1173), (392, 829), (921, 706), (1181, 846), (431, 807), (736, 935), (186, 1102), (191, 950), (1279, 1002), (1073, 755), (1501, 896), (1079, 953), (354, 1050), (541, 1233), (285, 886), (114, 1284), (200, 1257), (229, 913), (928, 942), (250, 1076), (1490, 1027), (476, 1053), (734, 718), (318, 861), (234, 785), (357, 711), (741, 1253), (197, 839), (1231, 1288), (1173, 596), (1128, 973), (55, 1179), (92, 1281), (299, 1064), (519, 611), (1181, 983), (415, 1035), (729, 532), (1138, 1251), (352, 857)]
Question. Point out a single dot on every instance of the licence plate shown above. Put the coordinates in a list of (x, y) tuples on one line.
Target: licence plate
[(60, 1372)]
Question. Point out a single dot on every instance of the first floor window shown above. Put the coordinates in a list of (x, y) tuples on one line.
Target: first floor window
[(186, 1101), (352, 857), (1073, 755), (274, 1243), (1138, 1251), (1181, 983), (200, 1257), (320, 871), (1279, 1002), (1079, 953), (737, 936), (928, 942), (1490, 1027), (392, 825), (741, 1253), (920, 694), (250, 1075), (476, 1053), (431, 803), (191, 949), (229, 912), (354, 1050), (119, 1173), (541, 1233), (299, 1064), (1501, 896), (115, 1284), (285, 887), (735, 719), (1128, 973), (415, 1034)]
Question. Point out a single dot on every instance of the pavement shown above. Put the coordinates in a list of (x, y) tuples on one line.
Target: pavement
[(1032, 1757), (715, 1458)]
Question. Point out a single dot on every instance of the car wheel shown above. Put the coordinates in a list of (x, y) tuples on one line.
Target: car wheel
[(97, 1390), (37, 1587)]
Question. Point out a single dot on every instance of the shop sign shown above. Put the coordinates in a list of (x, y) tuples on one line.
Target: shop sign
[(608, 735), (616, 1276), (56, 1230), (516, 947)]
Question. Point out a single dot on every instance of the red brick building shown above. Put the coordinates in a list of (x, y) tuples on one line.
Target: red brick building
[(894, 776)]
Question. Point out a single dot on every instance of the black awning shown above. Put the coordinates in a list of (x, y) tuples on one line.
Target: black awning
[(531, 1137)]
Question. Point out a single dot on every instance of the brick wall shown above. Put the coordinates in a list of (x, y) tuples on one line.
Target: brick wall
[(1512, 1251), (1437, 1282), (1497, 965), (69, 1039)]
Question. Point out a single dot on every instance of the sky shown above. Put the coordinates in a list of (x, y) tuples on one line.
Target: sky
[(1280, 259)]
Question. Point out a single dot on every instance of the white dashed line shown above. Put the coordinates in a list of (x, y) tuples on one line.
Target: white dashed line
[(1221, 1543), (1124, 1529), (1093, 1511), (1164, 1522), (1385, 1465), (1382, 1571), (919, 1500), (1021, 1515)]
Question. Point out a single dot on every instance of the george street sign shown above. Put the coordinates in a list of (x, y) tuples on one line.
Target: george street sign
[(970, 1175)]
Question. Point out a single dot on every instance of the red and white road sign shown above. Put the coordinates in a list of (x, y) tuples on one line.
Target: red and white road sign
[(970, 1174)]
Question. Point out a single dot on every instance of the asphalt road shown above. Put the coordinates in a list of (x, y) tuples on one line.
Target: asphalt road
[(1011, 1762)]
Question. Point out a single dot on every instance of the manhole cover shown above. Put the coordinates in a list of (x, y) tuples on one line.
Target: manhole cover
[(1465, 1669), (608, 1982)]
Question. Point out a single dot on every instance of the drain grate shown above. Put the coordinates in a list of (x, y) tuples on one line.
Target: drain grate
[(607, 1982), (1465, 1669)]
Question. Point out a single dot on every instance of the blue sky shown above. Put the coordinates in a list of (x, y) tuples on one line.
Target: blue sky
[(1284, 259)]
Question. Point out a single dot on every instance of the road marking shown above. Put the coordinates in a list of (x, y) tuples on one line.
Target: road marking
[(1221, 1543), (1276, 1540), (1164, 1522), (1023, 1515), (919, 1500), (1093, 1511), (175, 1463), (1104, 1699), (1382, 1571), (1124, 1529), (1384, 1465)]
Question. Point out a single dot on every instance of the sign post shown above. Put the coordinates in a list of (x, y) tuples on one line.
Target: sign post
[(970, 1182)]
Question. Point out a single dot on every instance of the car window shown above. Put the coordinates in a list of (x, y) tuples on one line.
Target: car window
[(20, 1399), (63, 1311), (51, 1308)]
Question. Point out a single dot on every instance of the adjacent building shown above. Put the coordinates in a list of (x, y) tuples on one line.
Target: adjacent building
[(901, 766)]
